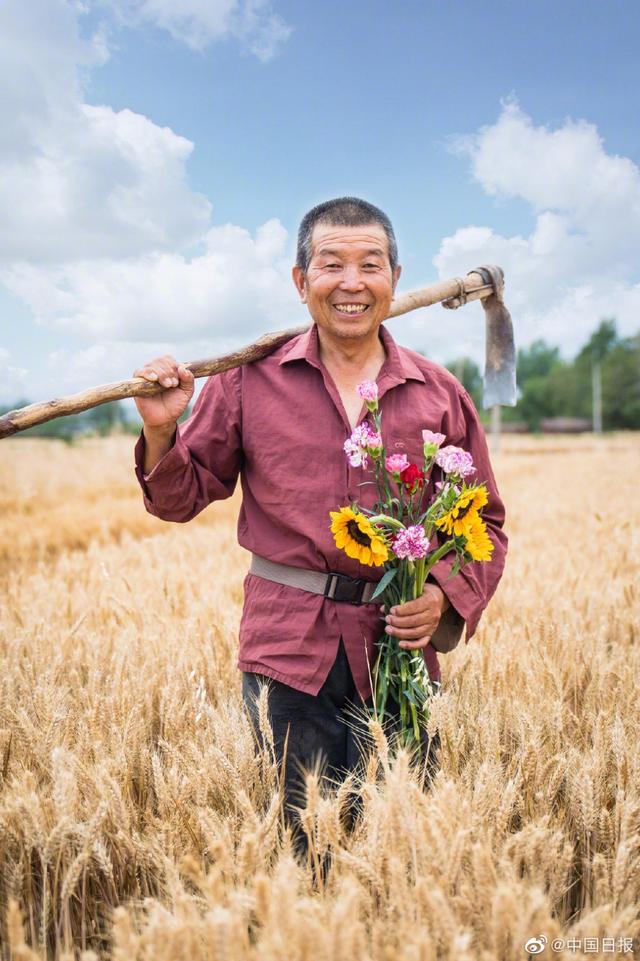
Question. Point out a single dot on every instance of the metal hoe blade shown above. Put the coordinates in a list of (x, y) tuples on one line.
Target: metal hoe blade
[(500, 365)]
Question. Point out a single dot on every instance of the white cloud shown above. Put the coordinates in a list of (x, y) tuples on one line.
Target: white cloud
[(97, 212), (104, 362), (13, 380), (102, 236), (201, 22), (78, 180), (110, 184), (239, 283), (579, 263)]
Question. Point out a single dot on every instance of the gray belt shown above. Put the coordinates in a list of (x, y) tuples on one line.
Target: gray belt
[(337, 587)]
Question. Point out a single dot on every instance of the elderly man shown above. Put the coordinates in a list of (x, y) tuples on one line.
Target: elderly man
[(308, 625)]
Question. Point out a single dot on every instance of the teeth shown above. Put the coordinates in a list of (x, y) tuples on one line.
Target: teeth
[(351, 308)]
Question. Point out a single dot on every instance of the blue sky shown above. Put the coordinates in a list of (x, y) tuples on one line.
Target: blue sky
[(158, 157)]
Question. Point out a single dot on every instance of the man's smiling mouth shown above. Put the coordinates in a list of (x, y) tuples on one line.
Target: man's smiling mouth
[(351, 308)]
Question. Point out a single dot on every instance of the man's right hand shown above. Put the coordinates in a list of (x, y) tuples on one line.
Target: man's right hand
[(161, 412)]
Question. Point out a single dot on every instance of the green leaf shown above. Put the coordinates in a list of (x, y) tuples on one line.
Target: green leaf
[(384, 582)]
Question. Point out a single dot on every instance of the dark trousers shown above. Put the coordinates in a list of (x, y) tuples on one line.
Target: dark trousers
[(323, 730)]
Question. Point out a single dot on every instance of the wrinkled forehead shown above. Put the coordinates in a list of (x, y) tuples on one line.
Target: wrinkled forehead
[(366, 239)]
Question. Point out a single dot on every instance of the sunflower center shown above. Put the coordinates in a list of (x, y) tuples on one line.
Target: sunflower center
[(357, 534), (463, 511)]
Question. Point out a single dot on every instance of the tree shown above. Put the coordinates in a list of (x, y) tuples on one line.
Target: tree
[(537, 360), (468, 373), (621, 385), (105, 418), (102, 420), (589, 364), (602, 342), (536, 367)]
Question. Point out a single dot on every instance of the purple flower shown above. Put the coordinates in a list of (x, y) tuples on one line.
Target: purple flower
[(364, 440), (356, 456), (411, 544), (455, 460), (396, 463), (368, 390), (365, 436)]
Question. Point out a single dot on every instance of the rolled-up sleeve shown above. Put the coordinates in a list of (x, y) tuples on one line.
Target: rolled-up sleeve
[(471, 589), (203, 464)]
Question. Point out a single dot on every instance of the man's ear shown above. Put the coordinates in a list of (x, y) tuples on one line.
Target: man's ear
[(396, 277), (300, 281)]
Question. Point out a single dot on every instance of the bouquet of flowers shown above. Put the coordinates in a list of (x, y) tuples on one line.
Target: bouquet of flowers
[(407, 535)]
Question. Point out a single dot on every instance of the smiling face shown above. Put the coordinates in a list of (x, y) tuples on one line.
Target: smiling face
[(349, 284)]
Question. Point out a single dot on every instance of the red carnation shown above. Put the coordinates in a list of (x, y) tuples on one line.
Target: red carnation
[(412, 478)]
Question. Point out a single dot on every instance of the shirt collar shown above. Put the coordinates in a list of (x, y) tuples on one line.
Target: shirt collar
[(397, 368), (303, 347)]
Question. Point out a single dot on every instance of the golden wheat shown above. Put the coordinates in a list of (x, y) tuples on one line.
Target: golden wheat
[(138, 822)]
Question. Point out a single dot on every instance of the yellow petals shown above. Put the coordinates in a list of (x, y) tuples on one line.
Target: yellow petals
[(354, 534), (457, 519), (478, 543)]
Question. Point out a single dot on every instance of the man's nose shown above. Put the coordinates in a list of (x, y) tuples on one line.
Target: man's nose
[(352, 278)]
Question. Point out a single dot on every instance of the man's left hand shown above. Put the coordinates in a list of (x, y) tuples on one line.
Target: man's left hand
[(415, 622)]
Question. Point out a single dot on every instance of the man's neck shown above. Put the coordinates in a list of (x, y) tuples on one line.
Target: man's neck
[(352, 360)]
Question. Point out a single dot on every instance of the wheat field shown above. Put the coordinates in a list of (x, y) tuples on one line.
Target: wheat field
[(137, 821)]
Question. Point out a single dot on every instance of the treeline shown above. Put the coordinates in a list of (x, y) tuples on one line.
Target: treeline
[(99, 421), (549, 386), (112, 418)]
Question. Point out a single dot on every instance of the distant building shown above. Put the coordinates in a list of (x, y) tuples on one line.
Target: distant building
[(565, 425), (514, 427), (548, 425)]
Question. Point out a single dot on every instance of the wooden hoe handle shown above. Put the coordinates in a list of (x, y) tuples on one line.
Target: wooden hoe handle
[(455, 292)]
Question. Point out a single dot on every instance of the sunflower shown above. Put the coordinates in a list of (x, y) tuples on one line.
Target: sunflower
[(478, 543), (458, 518), (355, 535)]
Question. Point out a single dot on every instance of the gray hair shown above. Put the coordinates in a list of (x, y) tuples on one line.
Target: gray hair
[(343, 212)]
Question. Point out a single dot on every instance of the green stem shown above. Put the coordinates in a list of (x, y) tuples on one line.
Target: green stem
[(433, 559), (385, 519), (404, 581), (401, 497), (378, 480), (383, 481), (414, 718)]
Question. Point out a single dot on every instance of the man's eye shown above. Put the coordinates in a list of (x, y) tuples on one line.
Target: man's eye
[(371, 266), (332, 266)]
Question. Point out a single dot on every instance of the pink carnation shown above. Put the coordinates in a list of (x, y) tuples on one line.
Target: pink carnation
[(432, 438), (396, 463), (411, 544), (364, 440), (356, 456), (365, 436), (374, 441), (368, 390), (455, 460)]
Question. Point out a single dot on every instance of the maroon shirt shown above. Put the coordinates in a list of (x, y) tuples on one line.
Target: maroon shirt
[(279, 423)]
